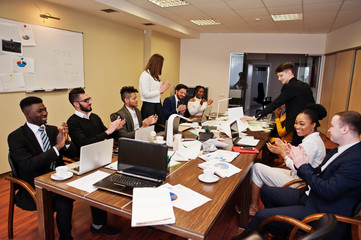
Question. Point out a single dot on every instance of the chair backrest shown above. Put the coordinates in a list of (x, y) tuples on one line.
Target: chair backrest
[(261, 94), (322, 227), (13, 167)]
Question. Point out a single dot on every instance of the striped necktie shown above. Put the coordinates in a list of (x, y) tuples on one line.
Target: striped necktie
[(46, 144), (44, 138)]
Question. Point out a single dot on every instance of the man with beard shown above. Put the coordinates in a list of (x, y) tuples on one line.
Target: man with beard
[(175, 104), (85, 128), (131, 114)]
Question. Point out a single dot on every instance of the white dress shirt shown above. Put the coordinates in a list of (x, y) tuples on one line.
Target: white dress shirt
[(314, 147), (82, 115), (134, 117), (149, 88), (341, 149), (35, 129)]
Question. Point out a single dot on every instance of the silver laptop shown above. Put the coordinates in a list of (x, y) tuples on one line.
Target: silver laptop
[(93, 156), (143, 134), (140, 164), (206, 114)]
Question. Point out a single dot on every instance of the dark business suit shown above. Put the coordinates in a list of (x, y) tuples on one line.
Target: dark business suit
[(335, 190), (170, 106), (31, 162), (127, 130), (82, 132), (296, 95)]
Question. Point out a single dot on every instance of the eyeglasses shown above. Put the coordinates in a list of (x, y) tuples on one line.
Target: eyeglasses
[(86, 100)]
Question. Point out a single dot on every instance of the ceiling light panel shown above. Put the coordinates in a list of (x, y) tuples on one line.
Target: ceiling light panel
[(205, 22), (287, 17), (169, 3)]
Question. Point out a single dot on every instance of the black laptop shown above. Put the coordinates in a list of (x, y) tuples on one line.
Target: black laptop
[(234, 132), (140, 164)]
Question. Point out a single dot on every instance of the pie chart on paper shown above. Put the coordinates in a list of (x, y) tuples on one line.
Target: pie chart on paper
[(173, 196), (222, 165), (21, 63)]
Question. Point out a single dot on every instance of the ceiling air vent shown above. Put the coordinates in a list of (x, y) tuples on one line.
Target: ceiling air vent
[(109, 10)]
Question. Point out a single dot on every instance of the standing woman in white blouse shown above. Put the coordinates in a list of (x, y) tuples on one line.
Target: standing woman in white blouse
[(150, 89), (197, 104)]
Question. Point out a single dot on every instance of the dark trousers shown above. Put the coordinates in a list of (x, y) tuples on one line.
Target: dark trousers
[(63, 207), (149, 109), (279, 201), (99, 216)]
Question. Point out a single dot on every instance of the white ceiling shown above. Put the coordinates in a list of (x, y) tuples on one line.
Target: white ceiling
[(235, 16)]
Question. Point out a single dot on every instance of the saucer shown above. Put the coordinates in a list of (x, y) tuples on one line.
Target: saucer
[(56, 178), (202, 178), (162, 142)]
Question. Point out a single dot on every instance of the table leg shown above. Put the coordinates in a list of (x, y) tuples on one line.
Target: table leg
[(45, 211), (244, 201)]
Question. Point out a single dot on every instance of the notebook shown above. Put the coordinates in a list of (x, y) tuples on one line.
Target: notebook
[(93, 156), (143, 134), (140, 164)]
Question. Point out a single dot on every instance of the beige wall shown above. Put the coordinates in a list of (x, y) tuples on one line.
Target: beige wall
[(113, 57), (163, 44), (344, 38), (205, 61)]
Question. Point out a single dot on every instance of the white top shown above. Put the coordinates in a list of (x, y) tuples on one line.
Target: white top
[(82, 115), (341, 149), (149, 88), (314, 147), (134, 117), (195, 108)]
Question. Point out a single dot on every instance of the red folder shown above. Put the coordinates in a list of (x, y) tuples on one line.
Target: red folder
[(238, 149)]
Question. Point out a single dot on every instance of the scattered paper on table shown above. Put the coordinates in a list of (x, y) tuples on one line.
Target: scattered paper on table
[(151, 206), (187, 150), (221, 168), (86, 183), (185, 198), (221, 155), (248, 141), (113, 166)]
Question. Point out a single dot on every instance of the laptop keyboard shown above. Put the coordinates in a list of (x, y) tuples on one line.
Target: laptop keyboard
[(131, 181), (76, 168)]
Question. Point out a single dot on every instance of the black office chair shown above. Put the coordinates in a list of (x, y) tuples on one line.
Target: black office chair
[(15, 184), (261, 96)]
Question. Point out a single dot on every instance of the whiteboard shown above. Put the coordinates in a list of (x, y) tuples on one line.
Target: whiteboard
[(48, 58)]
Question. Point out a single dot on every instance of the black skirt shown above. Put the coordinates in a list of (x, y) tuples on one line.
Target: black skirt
[(149, 109)]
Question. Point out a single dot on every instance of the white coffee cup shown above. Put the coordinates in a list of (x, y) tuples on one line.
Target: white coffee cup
[(159, 139), (208, 174), (62, 171)]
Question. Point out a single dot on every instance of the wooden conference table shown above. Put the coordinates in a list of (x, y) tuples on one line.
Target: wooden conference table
[(195, 224)]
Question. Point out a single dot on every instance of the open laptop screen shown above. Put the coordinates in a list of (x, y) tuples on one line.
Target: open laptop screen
[(142, 158), (234, 131)]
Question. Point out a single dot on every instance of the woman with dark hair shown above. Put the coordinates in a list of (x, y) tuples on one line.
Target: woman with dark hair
[(305, 125), (150, 89), (197, 104)]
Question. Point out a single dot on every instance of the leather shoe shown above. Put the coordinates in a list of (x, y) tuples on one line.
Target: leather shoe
[(105, 230)]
